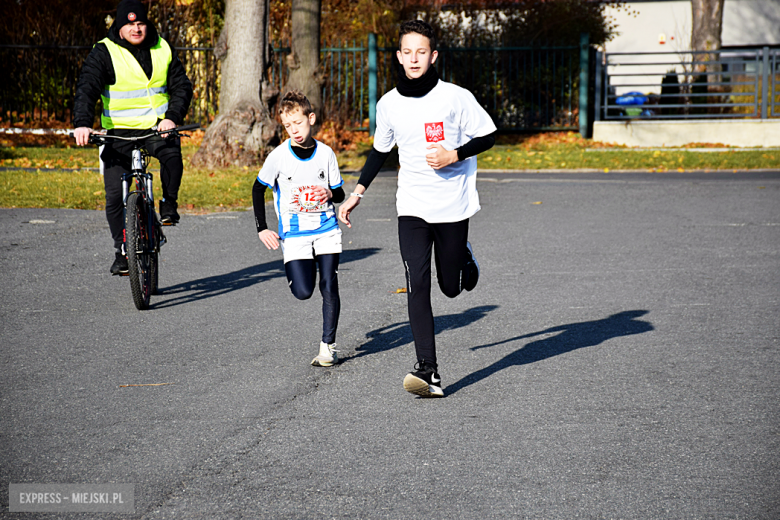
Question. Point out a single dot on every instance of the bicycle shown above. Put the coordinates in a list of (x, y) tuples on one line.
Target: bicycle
[(143, 234)]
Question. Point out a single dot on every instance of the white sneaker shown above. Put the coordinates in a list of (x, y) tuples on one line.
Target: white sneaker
[(327, 357)]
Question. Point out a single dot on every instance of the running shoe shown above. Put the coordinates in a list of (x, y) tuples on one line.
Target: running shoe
[(168, 214), (327, 357), (424, 381), (119, 267), (472, 268)]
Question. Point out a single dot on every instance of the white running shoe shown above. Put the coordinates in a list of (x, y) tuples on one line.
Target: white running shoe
[(327, 357)]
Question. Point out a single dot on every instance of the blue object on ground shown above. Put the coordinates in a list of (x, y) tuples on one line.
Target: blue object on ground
[(632, 98)]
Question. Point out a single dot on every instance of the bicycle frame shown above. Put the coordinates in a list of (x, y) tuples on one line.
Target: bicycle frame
[(138, 170), (143, 186), (142, 230)]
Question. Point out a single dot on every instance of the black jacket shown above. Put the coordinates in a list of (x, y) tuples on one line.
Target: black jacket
[(98, 71)]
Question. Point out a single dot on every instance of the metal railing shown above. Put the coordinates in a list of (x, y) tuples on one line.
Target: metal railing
[(733, 83), (522, 88), (41, 82), (345, 74)]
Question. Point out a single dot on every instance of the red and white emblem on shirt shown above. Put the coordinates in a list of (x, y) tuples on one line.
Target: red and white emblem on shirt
[(131, 17), (434, 132)]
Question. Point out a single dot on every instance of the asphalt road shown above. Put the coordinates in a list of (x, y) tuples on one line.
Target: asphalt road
[(618, 359)]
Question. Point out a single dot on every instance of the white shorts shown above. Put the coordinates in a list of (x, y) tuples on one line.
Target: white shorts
[(304, 248)]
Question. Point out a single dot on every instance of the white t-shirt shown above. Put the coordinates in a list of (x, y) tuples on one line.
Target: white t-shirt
[(291, 179), (450, 115)]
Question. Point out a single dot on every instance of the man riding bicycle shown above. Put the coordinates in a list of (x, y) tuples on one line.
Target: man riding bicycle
[(143, 85)]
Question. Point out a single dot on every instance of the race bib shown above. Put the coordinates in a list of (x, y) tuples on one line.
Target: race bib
[(303, 200)]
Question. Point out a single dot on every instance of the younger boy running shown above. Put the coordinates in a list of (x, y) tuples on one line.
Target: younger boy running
[(304, 176), (439, 128)]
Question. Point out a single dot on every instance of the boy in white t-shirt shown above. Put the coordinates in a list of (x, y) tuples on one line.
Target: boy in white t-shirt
[(439, 129), (304, 176)]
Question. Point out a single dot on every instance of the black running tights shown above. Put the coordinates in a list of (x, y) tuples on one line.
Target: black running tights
[(301, 275), (448, 241)]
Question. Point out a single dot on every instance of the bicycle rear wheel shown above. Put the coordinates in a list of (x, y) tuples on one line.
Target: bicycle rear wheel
[(138, 251)]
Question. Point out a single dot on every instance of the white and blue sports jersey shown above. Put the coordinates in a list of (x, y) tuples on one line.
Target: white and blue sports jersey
[(292, 179)]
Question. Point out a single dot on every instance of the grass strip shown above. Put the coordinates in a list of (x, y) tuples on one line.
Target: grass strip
[(573, 157), (202, 191), (231, 188)]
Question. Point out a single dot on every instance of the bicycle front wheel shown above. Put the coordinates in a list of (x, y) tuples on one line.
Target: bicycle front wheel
[(139, 252), (154, 264)]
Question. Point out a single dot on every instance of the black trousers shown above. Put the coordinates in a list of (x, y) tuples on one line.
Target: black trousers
[(301, 275), (417, 239), (116, 158)]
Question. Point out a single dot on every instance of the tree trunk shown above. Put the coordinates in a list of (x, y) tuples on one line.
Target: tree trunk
[(707, 24), (304, 60), (243, 131), (706, 35)]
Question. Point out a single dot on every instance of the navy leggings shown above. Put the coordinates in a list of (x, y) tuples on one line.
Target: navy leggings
[(301, 275), (417, 238)]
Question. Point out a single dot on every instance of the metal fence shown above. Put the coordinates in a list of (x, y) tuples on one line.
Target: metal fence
[(741, 83), (41, 82), (522, 88)]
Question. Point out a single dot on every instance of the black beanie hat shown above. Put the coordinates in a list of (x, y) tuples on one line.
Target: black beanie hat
[(130, 11)]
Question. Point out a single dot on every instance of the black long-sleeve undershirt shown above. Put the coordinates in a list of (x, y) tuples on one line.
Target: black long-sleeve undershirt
[(374, 163), (338, 195), (258, 205), (376, 158), (476, 146)]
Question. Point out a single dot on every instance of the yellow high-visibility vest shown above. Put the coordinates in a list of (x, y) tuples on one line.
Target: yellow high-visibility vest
[(136, 101)]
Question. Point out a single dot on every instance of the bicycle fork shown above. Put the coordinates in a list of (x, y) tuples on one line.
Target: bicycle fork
[(137, 171), (136, 167)]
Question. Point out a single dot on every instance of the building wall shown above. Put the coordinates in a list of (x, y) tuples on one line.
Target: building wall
[(745, 22), (751, 22), (645, 25)]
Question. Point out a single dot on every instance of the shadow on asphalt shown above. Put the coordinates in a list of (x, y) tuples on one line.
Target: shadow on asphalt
[(397, 334), (218, 285), (571, 337)]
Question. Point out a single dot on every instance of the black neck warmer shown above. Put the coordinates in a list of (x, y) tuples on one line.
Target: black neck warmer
[(417, 87)]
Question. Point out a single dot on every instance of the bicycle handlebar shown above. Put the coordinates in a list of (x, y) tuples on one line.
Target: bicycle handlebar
[(193, 126), (101, 138)]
